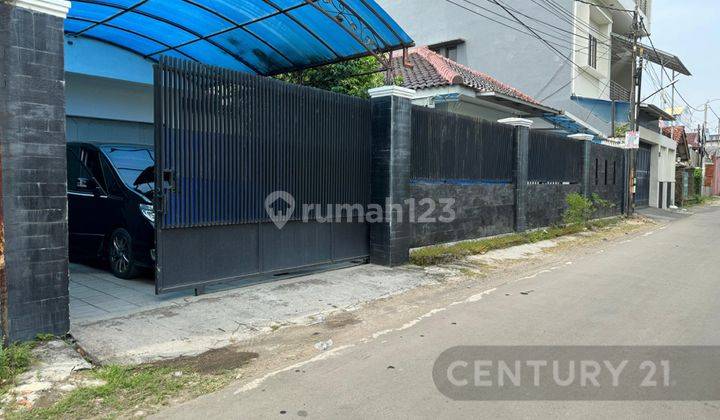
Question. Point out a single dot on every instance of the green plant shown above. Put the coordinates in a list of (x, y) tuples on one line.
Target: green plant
[(14, 360), (127, 389), (580, 209), (622, 129), (601, 203), (443, 254), (44, 337), (698, 177), (354, 77)]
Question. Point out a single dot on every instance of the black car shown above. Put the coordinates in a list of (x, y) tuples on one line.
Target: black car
[(110, 211)]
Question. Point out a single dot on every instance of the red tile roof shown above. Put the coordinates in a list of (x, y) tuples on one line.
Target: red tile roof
[(693, 140), (675, 133), (430, 69), (680, 131)]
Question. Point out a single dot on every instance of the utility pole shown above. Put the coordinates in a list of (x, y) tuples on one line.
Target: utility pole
[(703, 137), (672, 109), (634, 114)]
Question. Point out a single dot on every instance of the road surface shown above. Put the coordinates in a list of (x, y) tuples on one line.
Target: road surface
[(661, 288)]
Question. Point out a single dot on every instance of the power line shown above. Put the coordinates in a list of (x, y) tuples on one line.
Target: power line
[(539, 20), (657, 54), (572, 19), (498, 22), (578, 74), (533, 32), (539, 37), (510, 20), (570, 45), (605, 7)]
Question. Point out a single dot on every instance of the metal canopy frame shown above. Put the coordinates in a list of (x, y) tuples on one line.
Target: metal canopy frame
[(658, 57), (363, 21)]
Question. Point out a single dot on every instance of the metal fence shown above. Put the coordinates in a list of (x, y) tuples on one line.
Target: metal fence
[(448, 146), (554, 159), (228, 139)]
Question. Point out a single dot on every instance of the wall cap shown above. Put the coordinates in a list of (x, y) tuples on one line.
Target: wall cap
[(517, 122), (397, 91), (58, 8), (583, 137)]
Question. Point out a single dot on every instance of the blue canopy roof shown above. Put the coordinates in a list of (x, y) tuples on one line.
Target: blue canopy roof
[(259, 36)]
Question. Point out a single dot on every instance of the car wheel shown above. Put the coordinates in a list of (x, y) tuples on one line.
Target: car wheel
[(120, 255)]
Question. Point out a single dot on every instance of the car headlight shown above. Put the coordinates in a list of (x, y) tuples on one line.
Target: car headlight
[(148, 211)]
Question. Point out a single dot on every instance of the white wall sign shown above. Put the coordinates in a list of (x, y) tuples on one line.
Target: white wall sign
[(632, 140)]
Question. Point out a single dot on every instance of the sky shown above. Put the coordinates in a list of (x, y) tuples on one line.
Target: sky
[(690, 29)]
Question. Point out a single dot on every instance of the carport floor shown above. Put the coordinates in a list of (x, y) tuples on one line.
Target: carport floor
[(96, 294)]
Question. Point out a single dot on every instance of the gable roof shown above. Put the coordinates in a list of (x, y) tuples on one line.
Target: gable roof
[(693, 139), (676, 133), (679, 134), (429, 69)]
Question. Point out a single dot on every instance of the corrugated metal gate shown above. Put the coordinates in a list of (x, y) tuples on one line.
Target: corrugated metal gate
[(642, 172), (225, 142)]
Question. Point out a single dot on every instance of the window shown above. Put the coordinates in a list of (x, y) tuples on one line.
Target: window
[(77, 174), (449, 52), (112, 184), (91, 160), (592, 51), (448, 49), (133, 164)]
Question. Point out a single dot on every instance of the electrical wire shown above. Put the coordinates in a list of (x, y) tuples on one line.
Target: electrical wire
[(605, 7), (557, 28), (554, 7), (510, 20), (498, 22), (535, 33), (539, 37), (652, 45)]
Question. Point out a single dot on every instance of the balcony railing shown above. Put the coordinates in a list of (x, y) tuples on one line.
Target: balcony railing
[(618, 93)]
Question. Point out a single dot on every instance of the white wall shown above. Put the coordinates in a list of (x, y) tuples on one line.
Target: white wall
[(95, 97), (592, 82), (662, 165)]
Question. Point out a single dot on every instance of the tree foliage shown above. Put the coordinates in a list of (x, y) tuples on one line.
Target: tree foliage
[(352, 77)]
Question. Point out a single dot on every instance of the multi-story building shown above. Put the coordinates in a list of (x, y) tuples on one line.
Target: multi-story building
[(571, 55)]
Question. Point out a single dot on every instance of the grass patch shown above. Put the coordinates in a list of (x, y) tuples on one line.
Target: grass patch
[(14, 360), (697, 200), (443, 254), (126, 391)]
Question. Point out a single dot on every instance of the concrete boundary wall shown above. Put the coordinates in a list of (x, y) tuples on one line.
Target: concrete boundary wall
[(483, 207)]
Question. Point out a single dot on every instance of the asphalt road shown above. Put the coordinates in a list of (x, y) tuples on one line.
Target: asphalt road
[(661, 288)]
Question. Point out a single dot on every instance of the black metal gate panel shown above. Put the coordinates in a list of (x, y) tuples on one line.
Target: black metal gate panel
[(642, 172), (232, 149)]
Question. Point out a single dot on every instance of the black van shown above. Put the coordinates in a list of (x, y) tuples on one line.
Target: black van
[(110, 211)]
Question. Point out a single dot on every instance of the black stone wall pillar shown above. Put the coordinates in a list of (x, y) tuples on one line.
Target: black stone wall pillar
[(33, 206), (391, 170), (521, 162)]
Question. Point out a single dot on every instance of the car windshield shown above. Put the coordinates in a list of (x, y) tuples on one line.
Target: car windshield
[(134, 165)]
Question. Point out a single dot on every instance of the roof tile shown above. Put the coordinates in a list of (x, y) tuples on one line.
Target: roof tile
[(429, 69)]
